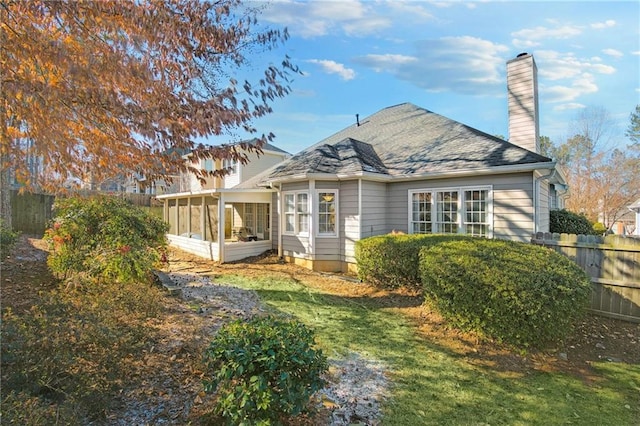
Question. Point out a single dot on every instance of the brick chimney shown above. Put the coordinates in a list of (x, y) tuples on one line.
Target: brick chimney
[(522, 87)]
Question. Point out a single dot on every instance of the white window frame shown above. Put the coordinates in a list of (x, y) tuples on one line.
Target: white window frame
[(231, 164), (461, 208), (316, 216), (296, 214)]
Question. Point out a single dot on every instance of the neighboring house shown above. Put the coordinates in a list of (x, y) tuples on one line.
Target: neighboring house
[(408, 169), (257, 163), (635, 208)]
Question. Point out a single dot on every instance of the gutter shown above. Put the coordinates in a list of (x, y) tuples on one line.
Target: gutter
[(516, 168)]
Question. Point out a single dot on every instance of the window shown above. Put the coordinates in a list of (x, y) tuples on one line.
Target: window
[(451, 211), (230, 164), (296, 213), (327, 213), (208, 164)]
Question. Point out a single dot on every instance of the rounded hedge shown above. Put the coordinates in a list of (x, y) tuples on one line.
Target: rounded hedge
[(521, 294), (391, 260), (568, 222)]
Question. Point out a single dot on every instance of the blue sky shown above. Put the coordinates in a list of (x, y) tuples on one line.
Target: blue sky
[(358, 57)]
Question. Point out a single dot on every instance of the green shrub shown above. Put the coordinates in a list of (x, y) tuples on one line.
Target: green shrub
[(104, 237), (391, 260), (69, 350), (567, 222), (521, 294), (263, 370), (599, 228), (8, 239)]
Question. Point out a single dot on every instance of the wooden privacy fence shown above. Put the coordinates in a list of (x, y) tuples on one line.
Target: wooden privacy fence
[(612, 263), (30, 212)]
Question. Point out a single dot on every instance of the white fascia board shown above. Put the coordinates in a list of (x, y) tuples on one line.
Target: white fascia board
[(212, 192), (516, 168)]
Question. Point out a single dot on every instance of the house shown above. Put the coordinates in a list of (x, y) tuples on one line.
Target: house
[(270, 155), (408, 169), (635, 208)]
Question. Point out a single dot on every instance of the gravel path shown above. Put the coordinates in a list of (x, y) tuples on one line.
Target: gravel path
[(357, 385)]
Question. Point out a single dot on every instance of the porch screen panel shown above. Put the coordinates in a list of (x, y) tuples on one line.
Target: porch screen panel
[(172, 217), (183, 211), (196, 217), (211, 219)]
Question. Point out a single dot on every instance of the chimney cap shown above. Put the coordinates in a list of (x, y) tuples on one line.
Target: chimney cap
[(520, 55)]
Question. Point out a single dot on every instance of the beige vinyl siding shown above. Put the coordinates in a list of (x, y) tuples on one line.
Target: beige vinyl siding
[(349, 220), (543, 206), (258, 164), (512, 202), (374, 209)]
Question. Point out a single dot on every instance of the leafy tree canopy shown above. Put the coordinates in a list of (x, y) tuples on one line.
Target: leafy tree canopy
[(102, 88)]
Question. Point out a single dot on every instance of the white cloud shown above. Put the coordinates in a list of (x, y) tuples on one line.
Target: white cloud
[(319, 18), (568, 106), (580, 86), (457, 64), (613, 52), (554, 65), (606, 24), (332, 67), (534, 35), (636, 52), (386, 63)]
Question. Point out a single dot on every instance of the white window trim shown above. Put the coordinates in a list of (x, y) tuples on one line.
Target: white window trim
[(461, 209), (295, 213), (316, 215)]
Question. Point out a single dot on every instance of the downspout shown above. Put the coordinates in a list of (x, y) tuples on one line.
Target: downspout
[(536, 200), (279, 205)]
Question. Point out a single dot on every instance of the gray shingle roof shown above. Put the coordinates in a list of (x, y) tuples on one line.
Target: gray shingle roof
[(348, 156), (403, 140)]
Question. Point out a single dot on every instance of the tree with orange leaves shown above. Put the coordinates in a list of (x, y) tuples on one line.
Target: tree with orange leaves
[(96, 89)]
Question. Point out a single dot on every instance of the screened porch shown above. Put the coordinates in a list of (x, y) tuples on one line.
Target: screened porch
[(221, 225)]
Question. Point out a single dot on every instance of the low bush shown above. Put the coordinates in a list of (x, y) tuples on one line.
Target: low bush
[(67, 355), (567, 222), (391, 260), (105, 237), (521, 294), (8, 238), (263, 370)]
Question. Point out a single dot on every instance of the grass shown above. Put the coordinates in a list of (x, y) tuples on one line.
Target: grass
[(435, 386)]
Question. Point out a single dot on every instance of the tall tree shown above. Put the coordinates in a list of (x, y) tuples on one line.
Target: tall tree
[(602, 180), (101, 88), (633, 131)]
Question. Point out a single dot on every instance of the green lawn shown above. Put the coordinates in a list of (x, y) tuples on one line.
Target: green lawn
[(434, 386)]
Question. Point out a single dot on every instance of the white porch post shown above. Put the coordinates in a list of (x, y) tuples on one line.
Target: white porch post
[(221, 220)]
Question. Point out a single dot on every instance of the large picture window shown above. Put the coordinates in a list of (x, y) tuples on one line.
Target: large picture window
[(327, 211), (296, 213), (451, 211)]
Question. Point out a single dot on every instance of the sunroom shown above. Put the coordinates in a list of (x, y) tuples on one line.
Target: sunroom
[(223, 225)]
